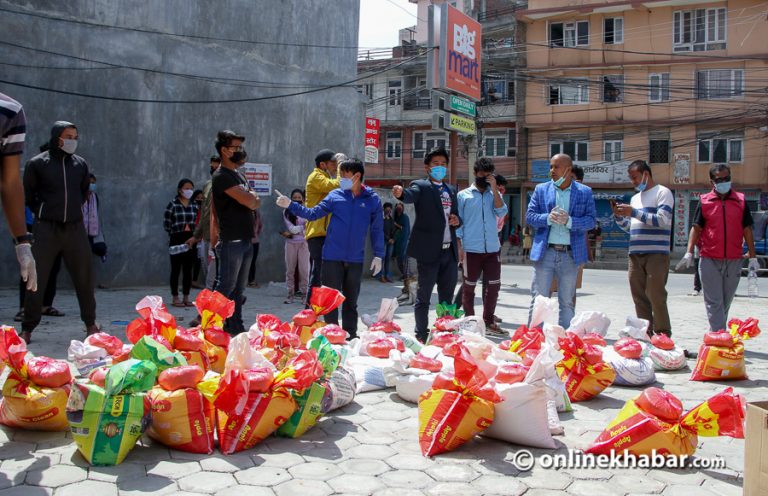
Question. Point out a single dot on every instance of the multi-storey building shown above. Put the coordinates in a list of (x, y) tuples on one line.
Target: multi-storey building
[(681, 84)]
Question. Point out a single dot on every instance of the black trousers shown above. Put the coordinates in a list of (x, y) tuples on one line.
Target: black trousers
[(315, 246), (71, 242), (252, 269), (444, 273), (50, 287), (182, 264), (346, 277)]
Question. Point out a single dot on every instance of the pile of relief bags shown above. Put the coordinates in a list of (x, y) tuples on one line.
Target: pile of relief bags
[(198, 389)]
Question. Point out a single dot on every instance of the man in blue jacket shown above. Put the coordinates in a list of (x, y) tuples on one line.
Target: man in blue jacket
[(561, 211), (356, 209), (479, 207)]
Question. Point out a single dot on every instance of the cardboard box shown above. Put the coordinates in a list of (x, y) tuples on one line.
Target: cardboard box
[(756, 450)]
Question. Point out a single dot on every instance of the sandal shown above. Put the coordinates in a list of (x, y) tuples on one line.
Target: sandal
[(52, 312), (495, 329), (178, 304), (188, 304)]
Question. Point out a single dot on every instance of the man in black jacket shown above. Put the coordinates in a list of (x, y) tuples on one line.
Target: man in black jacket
[(56, 183), (433, 237)]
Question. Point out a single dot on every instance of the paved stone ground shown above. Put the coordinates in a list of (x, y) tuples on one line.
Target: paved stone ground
[(370, 447)]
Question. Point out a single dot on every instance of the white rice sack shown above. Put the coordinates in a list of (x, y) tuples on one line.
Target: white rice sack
[(635, 328), (522, 417), (369, 372), (585, 322), (410, 387), (673, 359), (630, 371), (545, 311), (468, 325)]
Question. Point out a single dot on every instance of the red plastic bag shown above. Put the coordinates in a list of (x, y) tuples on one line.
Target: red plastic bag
[(213, 308), (267, 323), (662, 342), (660, 403), (122, 355), (155, 321), (723, 339), (281, 339), (425, 363), (112, 344), (48, 372), (388, 327), (186, 376), (595, 339), (511, 373), (325, 299), (442, 339), (259, 379), (746, 329), (99, 376), (442, 324), (306, 317), (333, 333), (524, 339), (457, 407), (13, 349), (217, 336), (188, 340), (380, 348), (628, 348)]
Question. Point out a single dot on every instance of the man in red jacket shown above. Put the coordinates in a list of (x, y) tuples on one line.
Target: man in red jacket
[(721, 223)]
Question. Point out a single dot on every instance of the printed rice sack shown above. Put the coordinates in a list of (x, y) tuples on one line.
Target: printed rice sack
[(322, 301), (340, 389), (26, 404), (456, 408), (182, 416), (721, 357), (582, 369), (411, 387), (664, 354), (630, 371), (653, 423), (246, 417), (106, 423)]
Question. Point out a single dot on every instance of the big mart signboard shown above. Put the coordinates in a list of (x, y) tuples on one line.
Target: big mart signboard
[(454, 66)]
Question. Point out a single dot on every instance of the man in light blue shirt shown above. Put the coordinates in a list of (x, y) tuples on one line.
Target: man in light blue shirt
[(479, 207)]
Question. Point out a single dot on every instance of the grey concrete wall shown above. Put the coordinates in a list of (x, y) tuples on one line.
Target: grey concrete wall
[(139, 151)]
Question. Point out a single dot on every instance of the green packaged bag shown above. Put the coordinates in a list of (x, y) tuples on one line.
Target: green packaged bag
[(147, 348), (130, 376), (326, 355), (309, 410)]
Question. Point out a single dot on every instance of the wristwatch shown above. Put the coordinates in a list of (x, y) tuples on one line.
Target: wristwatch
[(24, 238)]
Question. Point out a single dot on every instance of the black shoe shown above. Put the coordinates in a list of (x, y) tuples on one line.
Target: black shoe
[(19, 316), (690, 354)]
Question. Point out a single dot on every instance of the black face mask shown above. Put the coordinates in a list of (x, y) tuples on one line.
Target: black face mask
[(238, 156), (213, 169), (481, 182)]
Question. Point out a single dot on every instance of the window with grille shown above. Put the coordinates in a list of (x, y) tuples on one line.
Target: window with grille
[(658, 87), (577, 150), (496, 144), (613, 150), (394, 144), (658, 151), (719, 84), (699, 30), (395, 92)]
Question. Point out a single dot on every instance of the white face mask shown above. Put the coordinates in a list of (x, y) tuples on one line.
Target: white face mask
[(187, 193), (69, 146)]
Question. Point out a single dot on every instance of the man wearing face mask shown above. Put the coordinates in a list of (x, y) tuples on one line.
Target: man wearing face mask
[(561, 211), (479, 206), (320, 182), (648, 220), (56, 184), (433, 236), (232, 218), (721, 223), (356, 210)]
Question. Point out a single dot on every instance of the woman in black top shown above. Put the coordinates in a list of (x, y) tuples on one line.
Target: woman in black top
[(179, 223)]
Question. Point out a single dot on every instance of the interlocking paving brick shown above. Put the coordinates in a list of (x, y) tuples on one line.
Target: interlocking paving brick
[(446, 472), (452, 489), (26, 491), (226, 463), (407, 479), (398, 492), (57, 476), (13, 449), (281, 460), (730, 487), (206, 482), (262, 476), (175, 469), (10, 478), (315, 471), (151, 484), (353, 483), (243, 490), (496, 484), (590, 488), (686, 490), (409, 461), (117, 473), (364, 466), (630, 483), (33, 462), (303, 487), (378, 452), (88, 487)]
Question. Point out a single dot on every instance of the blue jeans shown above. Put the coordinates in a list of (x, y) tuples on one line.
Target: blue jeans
[(234, 262), (558, 264), (385, 266)]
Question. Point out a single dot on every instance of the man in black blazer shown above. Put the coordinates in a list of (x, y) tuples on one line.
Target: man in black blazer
[(433, 237)]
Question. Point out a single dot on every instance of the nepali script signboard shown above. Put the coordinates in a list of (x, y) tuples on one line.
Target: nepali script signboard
[(259, 177)]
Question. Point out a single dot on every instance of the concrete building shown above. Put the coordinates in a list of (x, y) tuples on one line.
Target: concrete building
[(678, 83), (401, 100), (150, 83)]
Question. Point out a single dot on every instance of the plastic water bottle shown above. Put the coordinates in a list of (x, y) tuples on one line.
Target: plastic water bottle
[(752, 289), (176, 249)]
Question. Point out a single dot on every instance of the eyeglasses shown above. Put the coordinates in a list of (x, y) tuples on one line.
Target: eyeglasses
[(719, 180)]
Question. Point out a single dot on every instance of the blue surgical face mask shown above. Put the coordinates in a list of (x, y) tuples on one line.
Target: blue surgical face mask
[(641, 187), (559, 182), (92, 187), (723, 188), (346, 183), (438, 172)]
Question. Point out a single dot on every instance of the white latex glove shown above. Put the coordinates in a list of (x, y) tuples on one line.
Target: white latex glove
[(376, 265), (282, 200), (27, 265), (294, 229), (753, 265), (685, 263)]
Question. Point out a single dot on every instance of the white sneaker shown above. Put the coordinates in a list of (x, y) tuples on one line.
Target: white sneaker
[(694, 293)]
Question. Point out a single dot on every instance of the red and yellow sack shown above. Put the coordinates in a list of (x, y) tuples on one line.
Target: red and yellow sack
[(155, 321), (217, 357), (247, 417), (457, 406), (582, 369), (523, 339), (642, 431), (322, 301), (199, 358), (182, 419), (721, 357)]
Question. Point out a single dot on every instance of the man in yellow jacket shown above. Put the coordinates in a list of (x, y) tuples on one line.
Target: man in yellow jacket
[(319, 183)]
